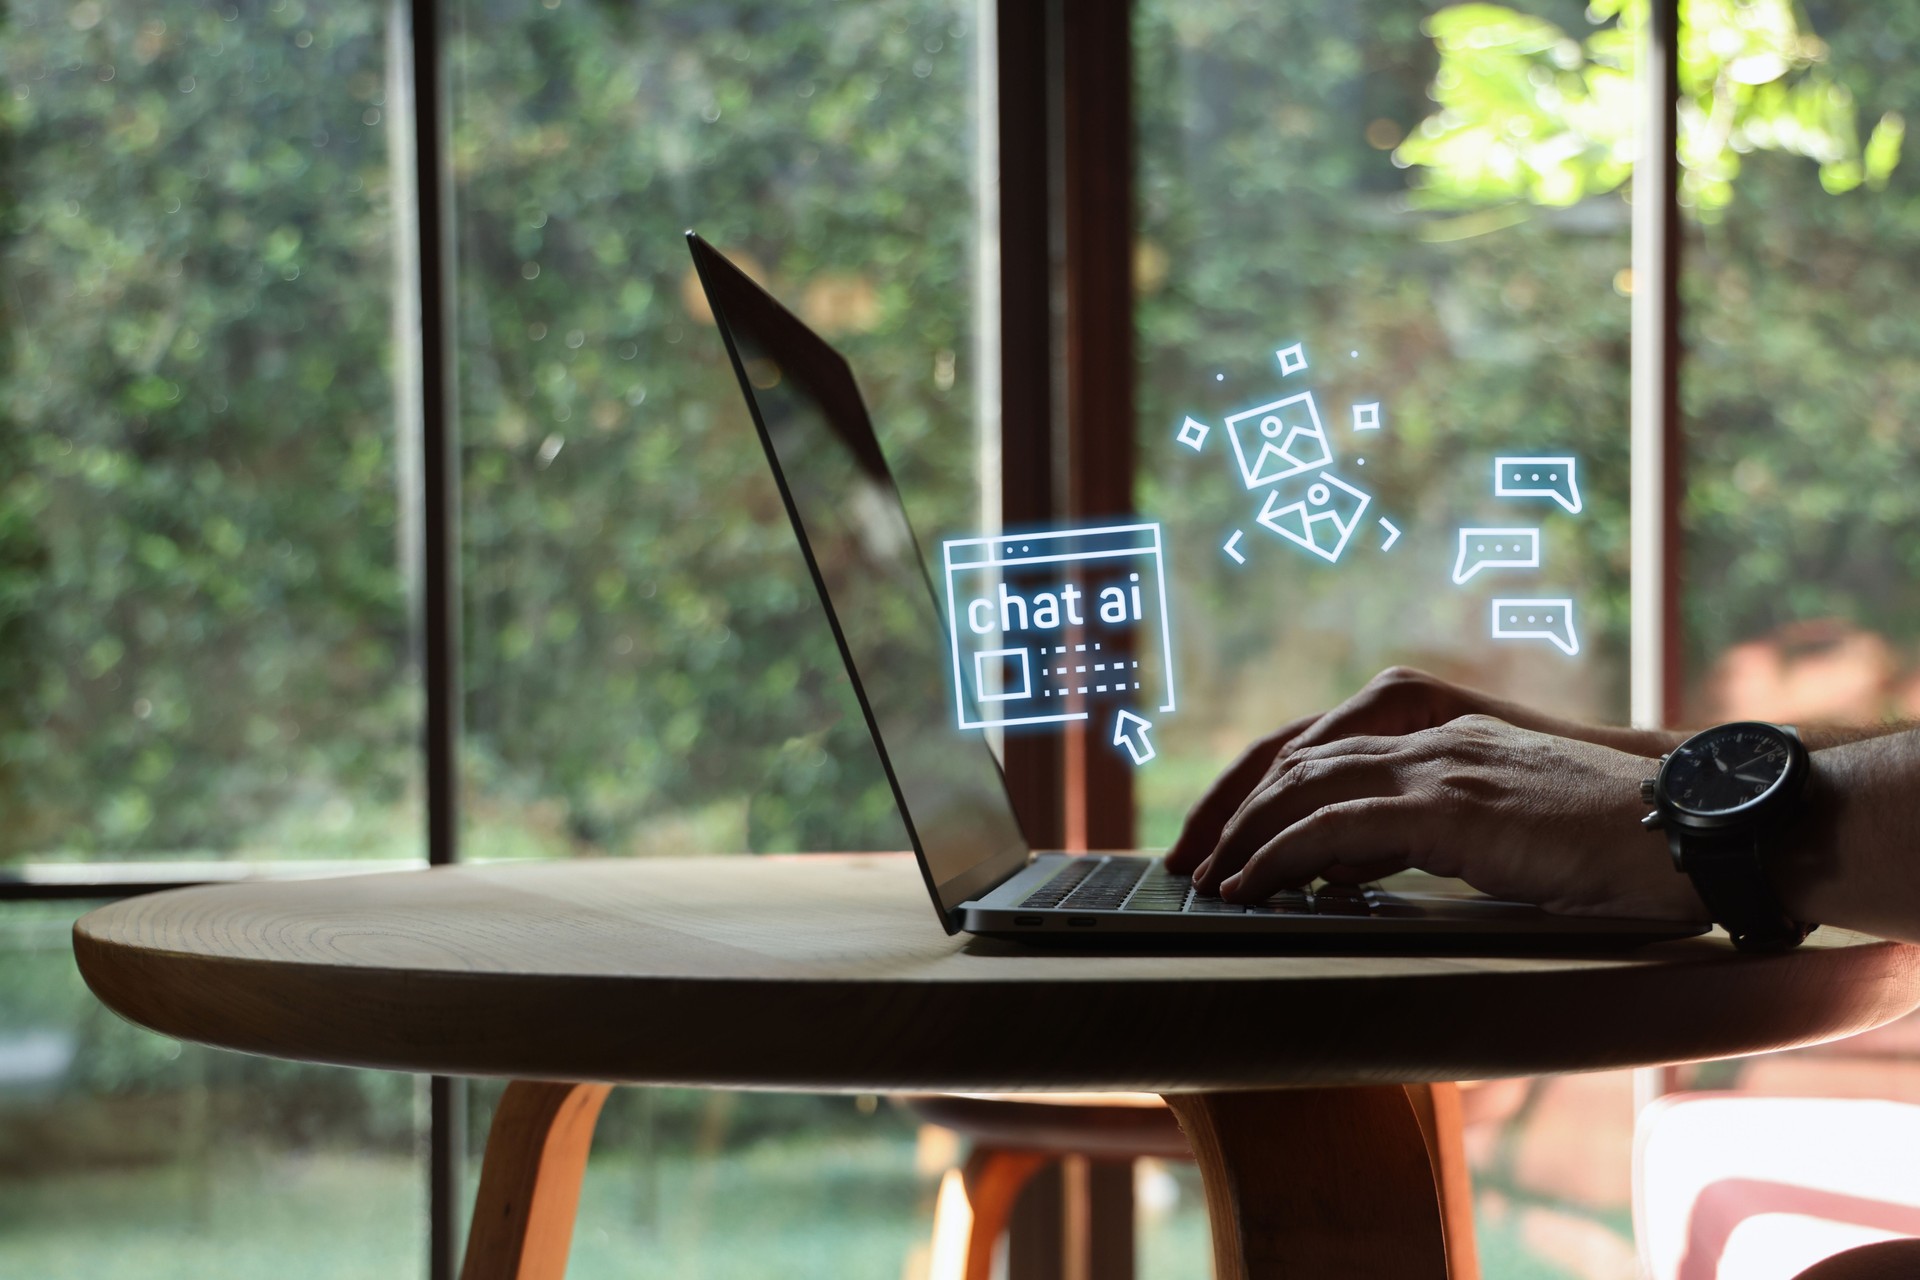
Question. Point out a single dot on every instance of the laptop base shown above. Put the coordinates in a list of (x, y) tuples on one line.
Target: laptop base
[(1408, 906)]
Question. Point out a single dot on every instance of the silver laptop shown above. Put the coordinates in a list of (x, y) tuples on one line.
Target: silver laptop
[(979, 868)]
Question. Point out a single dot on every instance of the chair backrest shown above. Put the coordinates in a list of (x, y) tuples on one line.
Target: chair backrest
[(1731, 1185)]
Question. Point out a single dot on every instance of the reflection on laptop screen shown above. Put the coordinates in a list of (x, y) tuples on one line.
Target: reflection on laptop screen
[(867, 566)]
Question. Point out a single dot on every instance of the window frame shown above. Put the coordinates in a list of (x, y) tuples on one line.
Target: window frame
[(1065, 143)]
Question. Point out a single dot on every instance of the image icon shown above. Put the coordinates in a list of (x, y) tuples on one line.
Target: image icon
[(1288, 436), (1550, 620), (1323, 521), (1192, 434), (1043, 627), (1495, 549), (1538, 477)]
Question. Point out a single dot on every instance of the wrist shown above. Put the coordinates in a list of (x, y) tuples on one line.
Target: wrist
[(1804, 869), (1731, 801)]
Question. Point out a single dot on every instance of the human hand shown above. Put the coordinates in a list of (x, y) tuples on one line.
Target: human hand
[(1517, 814), (1399, 700)]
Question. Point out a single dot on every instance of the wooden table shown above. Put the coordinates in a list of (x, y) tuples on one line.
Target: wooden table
[(1297, 1077)]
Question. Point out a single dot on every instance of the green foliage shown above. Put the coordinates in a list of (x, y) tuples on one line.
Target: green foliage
[(204, 614), (642, 638), (1800, 392), (208, 533), (1268, 187), (1531, 113)]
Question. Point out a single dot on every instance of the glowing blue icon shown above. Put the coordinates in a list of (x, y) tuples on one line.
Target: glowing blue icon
[(1290, 437), (1130, 731), (1495, 549), (1040, 626), (1550, 620), (1292, 359), (1366, 417), (1393, 533), (1323, 522), (1233, 547), (991, 668), (1192, 434), (1538, 477)]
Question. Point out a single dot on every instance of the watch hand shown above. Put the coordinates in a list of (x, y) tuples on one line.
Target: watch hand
[(1718, 763), (1747, 777)]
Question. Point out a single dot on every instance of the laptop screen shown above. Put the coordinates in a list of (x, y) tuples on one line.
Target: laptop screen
[(867, 567)]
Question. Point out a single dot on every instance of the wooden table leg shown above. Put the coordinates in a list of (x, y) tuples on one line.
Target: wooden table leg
[(1443, 1125), (994, 1178), (530, 1181), (1317, 1183)]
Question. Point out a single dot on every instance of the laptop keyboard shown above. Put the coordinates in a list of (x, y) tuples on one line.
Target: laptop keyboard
[(1118, 883)]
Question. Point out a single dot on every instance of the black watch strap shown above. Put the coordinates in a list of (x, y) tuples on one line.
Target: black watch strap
[(1731, 878)]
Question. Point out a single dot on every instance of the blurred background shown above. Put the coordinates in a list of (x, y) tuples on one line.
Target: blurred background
[(210, 524)]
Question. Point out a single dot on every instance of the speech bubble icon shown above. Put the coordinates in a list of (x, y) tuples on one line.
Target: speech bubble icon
[(1536, 620), (1495, 549), (1535, 477)]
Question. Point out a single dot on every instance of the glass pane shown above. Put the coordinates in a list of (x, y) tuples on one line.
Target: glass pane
[(648, 667), (1802, 520), (1431, 206), (204, 612), (1802, 555), (127, 1154), (687, 1182)]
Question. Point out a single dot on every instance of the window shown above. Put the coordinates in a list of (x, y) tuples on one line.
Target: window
[(1286, 199), (1045, 235), (648, 670), (208, 550)]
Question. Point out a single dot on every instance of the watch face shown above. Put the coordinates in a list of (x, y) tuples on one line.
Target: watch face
[(1723, 769)]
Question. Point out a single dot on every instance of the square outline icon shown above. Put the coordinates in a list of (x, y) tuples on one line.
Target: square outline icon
[(979, 676), (1292, 359), (1193, 434), (1366, 417)]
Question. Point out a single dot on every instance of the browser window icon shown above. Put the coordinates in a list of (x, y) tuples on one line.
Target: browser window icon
[(1047, 628)]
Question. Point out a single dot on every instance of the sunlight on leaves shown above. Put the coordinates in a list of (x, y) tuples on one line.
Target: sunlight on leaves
[(1531, 114)]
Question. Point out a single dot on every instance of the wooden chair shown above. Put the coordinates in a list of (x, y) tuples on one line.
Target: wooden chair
[(1012, 1139), (1776, 1188)]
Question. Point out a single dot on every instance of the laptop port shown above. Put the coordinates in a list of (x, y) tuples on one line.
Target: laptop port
[(1031, 922)]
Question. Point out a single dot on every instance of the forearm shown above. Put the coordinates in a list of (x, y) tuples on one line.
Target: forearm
[(1658, 742), (1819, 737), (1649, 743), (1854, 862)]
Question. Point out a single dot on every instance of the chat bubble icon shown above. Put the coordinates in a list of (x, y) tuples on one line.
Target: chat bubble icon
[(1495, 549), (1550, 620), (1538, 477)]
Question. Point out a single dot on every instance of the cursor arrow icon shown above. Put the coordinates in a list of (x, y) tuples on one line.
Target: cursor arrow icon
[(1130, 731)]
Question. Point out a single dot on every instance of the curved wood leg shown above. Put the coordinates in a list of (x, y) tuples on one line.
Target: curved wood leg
[(994, 1177), (1443, 1125), (1312, 1183), (530, 1181)]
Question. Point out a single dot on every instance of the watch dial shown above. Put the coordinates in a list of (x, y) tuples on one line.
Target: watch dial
[(1720, 773)]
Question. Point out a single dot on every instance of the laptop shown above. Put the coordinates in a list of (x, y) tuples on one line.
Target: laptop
[(982, 874)]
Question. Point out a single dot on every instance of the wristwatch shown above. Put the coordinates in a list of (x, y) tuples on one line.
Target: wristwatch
[(1726, 797)]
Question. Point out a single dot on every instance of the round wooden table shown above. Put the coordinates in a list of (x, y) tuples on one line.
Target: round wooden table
[(1299, 1078)]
